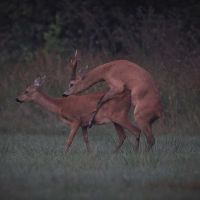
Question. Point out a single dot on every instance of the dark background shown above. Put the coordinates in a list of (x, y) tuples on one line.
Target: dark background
[(93, 25), (39, 37)]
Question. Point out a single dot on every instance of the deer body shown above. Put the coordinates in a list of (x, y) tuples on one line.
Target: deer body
[(76, 112), (66, 108), (118, 75), (121, 74)]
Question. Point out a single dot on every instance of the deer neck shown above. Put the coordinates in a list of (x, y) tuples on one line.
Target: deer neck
[(46, 102), (94, 76)]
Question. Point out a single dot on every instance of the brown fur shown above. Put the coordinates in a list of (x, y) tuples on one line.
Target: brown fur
[(76, 111), (121, 74)]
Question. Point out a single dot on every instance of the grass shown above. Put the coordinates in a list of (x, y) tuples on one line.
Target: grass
[(35, 167)]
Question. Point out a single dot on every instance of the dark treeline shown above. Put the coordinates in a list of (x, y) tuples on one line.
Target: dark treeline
[(94, 25), (38, 37)]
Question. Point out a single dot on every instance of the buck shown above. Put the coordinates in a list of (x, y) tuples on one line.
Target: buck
[(121, 75), (75, 111)]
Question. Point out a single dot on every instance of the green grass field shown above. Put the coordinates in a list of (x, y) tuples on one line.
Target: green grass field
[(34, 166)]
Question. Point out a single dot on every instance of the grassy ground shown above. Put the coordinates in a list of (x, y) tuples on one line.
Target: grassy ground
[(35, 167)]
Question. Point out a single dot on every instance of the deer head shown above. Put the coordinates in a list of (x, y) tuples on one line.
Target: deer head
[(31, 91), (73, 65)]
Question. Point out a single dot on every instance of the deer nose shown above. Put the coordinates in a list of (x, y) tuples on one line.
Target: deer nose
[(65, 94), (17, 100)]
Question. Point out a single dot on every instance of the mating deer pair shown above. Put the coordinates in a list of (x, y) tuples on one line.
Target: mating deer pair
[(121, 75), (112, 106)]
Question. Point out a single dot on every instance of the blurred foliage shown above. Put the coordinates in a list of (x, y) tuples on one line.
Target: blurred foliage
[(93, 25), (39, 37)]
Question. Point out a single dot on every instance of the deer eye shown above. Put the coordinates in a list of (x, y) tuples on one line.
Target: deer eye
[(71, 84), (26, 92)]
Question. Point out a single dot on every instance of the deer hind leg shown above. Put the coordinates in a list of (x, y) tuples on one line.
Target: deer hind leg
[(85, 137), (116, 87), (146, 127), (125, 123), (121, 136), (144, 117), (74, 129)]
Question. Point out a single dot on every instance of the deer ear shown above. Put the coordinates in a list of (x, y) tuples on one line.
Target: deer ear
[(39, 81)]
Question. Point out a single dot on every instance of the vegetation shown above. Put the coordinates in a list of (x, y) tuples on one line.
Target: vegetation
[(35, 167), (162, 38)]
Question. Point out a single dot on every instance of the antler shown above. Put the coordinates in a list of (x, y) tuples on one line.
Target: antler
[(73, 65)]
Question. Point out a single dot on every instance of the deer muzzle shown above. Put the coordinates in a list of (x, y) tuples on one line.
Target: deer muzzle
[(18, 100), (65, 94)]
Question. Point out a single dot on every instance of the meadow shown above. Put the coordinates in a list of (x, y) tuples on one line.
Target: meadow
[(33, 164)]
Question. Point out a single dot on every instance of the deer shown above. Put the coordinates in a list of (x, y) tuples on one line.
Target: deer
[(76, 110), (121, 75)]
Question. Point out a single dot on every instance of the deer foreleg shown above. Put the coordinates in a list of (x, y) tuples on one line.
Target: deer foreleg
[(74, 128), (85, 137)]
